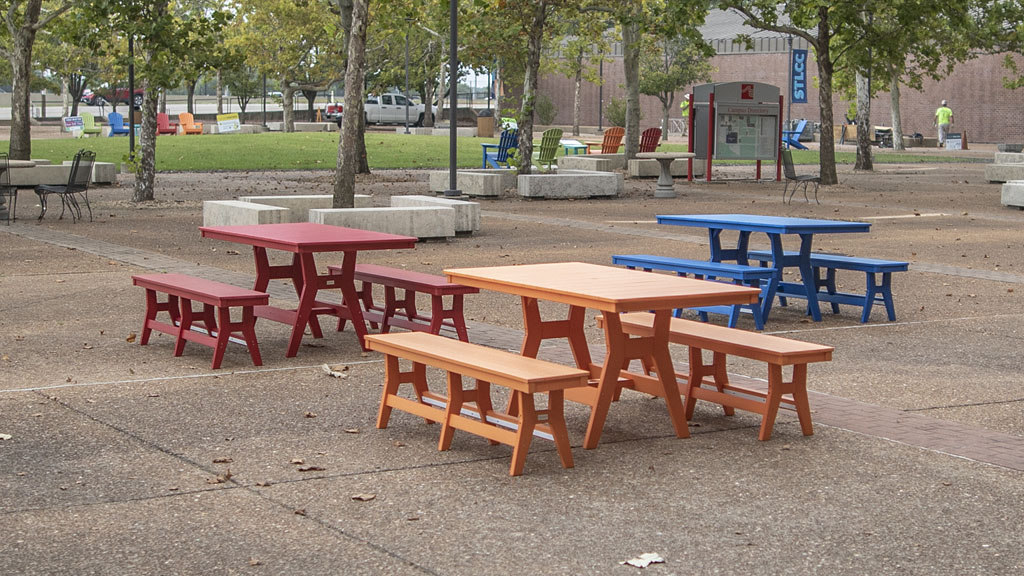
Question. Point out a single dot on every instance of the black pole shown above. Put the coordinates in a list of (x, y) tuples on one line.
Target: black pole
[(407, 78), (131, 97), (600, 93), (264, 100), (453, 88), (789, 103)]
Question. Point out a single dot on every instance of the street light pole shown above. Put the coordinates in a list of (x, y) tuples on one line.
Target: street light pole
[(600, 93), (264, 100), (131, 97), (453, 87), (406, 78)]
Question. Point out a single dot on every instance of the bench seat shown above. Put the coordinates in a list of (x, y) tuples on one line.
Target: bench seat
[(402, 311), (181, 291), (470, 409), (754, 276), (773, 350), (874, 292)]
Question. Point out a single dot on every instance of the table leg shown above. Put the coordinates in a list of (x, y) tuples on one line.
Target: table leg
[(666, 372), (778, 262), (666, 188), (350, 297), (307, 286), (807, 276)]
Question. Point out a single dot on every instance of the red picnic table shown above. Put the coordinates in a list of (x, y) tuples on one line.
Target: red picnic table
[(304, 240)]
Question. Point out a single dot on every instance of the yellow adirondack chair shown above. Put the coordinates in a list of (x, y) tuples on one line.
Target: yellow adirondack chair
[(89, 125)]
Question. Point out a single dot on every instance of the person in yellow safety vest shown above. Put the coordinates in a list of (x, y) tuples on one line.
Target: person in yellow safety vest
[(943, 119), (684, 107)]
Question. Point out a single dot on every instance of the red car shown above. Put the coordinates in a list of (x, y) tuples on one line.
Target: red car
[(114, 96), (333, 112)]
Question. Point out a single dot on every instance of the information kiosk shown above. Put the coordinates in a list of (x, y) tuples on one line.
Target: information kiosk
[(735, 121)]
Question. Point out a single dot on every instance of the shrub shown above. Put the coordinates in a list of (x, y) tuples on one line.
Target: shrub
[(615, 112), (545, 110)]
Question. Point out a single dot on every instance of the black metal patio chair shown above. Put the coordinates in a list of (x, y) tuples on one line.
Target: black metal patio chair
[(77, 186), (791, 176)]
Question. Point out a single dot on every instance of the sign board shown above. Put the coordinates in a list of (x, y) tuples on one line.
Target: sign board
[(73, 123), (746, 135), (798, 87), (228, 123), (954, 141)]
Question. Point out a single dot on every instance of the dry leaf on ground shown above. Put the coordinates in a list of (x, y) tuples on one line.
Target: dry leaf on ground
[(335, 371), (644, 560), (364, 497)]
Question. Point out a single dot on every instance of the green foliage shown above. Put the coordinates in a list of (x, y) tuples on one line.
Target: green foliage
[(667, 65), (615, 112), (546, 110)]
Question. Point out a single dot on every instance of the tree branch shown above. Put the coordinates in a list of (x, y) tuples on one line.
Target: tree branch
[(49, 17), (757, 21)]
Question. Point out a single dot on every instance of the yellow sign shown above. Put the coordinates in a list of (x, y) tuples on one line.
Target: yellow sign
[(228, 123)]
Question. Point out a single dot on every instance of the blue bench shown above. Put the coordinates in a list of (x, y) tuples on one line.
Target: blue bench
[(875, 292), (754, 276)]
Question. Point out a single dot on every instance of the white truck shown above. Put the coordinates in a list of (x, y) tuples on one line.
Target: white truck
[(390, 109)]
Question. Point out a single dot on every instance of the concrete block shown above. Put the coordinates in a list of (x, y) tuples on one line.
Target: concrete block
[(421, 131), (1013, 194), (299, 205), (1016, 148), (275, 126), (312, 126), (1001, 172), (42, 161), (421, 222), (1009, 158), (252, 129), (234, 212), (590, 163), (479, 182), (460, 132), (467, 214), (57, 174), (570, 184)]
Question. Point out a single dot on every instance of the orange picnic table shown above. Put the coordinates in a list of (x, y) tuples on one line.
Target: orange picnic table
[(611, 291)]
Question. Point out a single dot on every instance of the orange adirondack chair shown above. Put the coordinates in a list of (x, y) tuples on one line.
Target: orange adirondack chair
[(650, 139), (611, 142), (190, 126), (164, 126)]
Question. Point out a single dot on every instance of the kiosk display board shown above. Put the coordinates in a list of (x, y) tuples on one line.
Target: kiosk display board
[(743, 118)]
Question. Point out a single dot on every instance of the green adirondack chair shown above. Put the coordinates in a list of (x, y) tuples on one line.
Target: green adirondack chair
[(549, 145), (89, 126)]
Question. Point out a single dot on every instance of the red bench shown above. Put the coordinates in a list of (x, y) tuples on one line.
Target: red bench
[(402, 311), (181, 290)]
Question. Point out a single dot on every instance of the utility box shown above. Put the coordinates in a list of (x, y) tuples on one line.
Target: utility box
[(485, 124), (736, 121)]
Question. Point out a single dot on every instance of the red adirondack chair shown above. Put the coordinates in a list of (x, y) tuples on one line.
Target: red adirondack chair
[(164, 125), (650, 139)]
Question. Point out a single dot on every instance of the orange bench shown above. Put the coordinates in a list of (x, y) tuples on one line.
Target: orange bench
[(470, 409), (775, 351), (402, 312), (181, 290)]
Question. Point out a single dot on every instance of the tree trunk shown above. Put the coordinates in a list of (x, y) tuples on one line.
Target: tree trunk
[(667, 100), (220, 94), (20, 53), (631, 66), (534, 41), (863, 124), (498, 88), (65, 97), (76, 85), (145, 172), (288, 103), (428, 96), (190, 105), (576, 94), (162, 104), (897, 121), (827, 159), (441, 86), (351, 131), (310, 96)]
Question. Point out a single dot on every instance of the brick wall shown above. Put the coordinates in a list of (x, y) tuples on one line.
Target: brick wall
[(981, 105)]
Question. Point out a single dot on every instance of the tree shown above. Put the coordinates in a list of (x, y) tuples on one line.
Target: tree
[(22, 19), (352, 128), (583, 36), (669, 64), (244, 83), (162, 39)]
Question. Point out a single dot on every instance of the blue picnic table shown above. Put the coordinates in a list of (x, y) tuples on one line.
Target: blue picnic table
[(774, 227)]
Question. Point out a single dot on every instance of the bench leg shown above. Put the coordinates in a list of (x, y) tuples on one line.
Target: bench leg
[(365, 294), (458, 317), (698, 371), (456, 398), (886, 289), (249, 335), (829, 284), (153, 307), (527, 423), (392, 378), (222, 336), (797, 387), (184, 326), (873, 291)]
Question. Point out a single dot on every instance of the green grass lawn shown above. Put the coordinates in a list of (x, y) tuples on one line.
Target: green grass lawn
[(306, 151)]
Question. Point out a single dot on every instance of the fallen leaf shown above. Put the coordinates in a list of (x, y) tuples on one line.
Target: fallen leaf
[(130, 338), (301, 512), (173, 488), (311, 468), (263, 484), (364, 497), (255, 562), (153, 395), (352, 430), (232, 252), (398, 443), (644, 560), (86, 346), (297, 461), (310, 415), (222, 460), (336, 372), (221, 478), (5, 436), (6, 358)]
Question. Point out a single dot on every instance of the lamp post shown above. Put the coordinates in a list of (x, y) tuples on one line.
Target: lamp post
[(131, 97), (600, 93), (407, 77), (264, 99), (453, 87)]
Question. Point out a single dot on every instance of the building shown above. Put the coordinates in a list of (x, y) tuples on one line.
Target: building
[(983, 108)]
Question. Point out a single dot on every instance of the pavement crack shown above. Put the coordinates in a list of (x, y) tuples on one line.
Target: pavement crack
[(966, 405)]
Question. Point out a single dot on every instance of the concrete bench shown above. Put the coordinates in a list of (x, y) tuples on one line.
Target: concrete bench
[(570, 184), (773, 350), (236, 213), (299, 205), (743, 275), (402, 312), (479, 182), (181, 291), (470, 409), (1012, 194), (874, 292), (58, 174), (421, 221), (467, 214)]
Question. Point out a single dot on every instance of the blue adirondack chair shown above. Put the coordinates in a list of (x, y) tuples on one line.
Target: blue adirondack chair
[(498, 158), (117, 127), (792, 137)]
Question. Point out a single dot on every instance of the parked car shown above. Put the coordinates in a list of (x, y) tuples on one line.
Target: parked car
[(390, 109), (333, 112), (102, 96)]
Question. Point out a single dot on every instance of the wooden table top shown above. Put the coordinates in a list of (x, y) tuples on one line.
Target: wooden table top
[(604, 288), (306, 237)]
